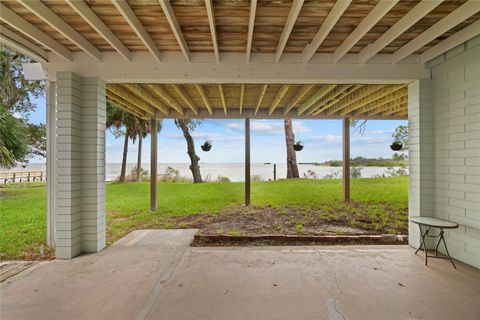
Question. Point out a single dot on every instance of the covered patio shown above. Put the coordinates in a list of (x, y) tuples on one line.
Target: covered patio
[(415, 60), (155, 274)]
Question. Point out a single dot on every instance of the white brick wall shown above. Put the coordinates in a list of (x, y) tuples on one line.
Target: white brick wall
[(445, 148), (80, 165)]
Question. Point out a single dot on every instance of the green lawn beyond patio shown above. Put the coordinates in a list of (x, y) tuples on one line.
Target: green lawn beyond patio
[(379, 205)]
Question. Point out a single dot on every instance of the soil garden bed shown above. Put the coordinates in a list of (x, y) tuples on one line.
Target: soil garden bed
[(333, 223)]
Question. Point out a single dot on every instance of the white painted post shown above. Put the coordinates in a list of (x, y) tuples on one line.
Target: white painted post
[(80, 166), (50, 174), (421, 155), (346, 159)]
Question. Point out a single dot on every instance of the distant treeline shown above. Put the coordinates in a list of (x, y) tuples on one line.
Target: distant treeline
[(364, 162)]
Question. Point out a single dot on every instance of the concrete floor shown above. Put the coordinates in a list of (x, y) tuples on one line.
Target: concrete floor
[(154, 274)]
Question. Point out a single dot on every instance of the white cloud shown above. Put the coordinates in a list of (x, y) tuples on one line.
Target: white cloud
[(268, 127)]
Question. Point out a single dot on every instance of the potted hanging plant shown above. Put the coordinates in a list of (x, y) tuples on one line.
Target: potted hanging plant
[(396, 146), (298, 146), (206, 146)]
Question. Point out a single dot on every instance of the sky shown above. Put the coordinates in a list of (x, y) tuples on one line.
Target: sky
[(322, 141)]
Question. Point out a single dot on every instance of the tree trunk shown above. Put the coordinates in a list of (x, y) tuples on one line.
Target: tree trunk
[(292, 168), (139, 158), (124, 159), (194, 167)]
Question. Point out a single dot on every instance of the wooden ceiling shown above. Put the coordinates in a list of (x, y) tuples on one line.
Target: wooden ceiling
[(261, 100), (249, 26)]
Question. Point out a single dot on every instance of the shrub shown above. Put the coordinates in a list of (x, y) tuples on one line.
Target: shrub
[(222, 179)]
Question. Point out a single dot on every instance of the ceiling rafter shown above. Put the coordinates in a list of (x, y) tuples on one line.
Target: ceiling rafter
[(278, 98), (25, 27), (146, 96), (185, 98), (242, 95), (337, 99), (454, 18), (339, 89), (367, 23), (204, 98), (97, 24), (22, 45), (385, 91), (380, 102), (126, 105), (301, 92), (54, 21), (251, 24), (400, 106), (327, 26), (402, 25), (451, 42), (124, 8), (287, 29), (166, 97), (322, 92), (131, 98), (213, 30), (399, 102), (222, 97), (353, 97), (260, 98), (177, 31)]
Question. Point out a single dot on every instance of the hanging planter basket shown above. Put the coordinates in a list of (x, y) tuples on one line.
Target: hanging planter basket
[(206, 146), (396, 146), (298, 146)]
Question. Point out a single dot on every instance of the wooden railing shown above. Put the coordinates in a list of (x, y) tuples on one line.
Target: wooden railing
[(22, 176)]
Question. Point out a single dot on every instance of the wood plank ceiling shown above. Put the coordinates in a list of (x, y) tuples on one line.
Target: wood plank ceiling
[(261, 100), (302, 28)]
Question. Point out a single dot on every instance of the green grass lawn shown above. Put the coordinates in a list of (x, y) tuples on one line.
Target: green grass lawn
[(22, 207)]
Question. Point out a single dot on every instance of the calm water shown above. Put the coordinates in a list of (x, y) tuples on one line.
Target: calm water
[(234, 171)]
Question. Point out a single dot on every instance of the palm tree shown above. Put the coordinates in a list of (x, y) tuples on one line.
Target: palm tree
[(292, 167), (13, 139), (186, 125)]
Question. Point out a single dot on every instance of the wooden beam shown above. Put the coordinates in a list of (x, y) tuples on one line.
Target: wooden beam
[(451, 42), (127, 13), (22, 45), (322, 92), (247, 161), (153, 164), (57, 23), (242, 95), (278, 98), (132, 99), (222, 96), (301, 92), (251, 23), (260, 98), (145, 95), (464, 12), (402, 25), (399, 106), (204, 98), (402, 101), (177, 31), (319, 106), (380, 102), (186, 98), (330, 21), (97, 24), (167, 97), (353, 97), (128, 106), (25, 27), (346, 159), (287, 29), (367, 23), (385, 91), (213, 31)]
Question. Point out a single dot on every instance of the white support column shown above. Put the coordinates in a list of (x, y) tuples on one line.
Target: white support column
[(51, 161), (421, 155), (80, 165)]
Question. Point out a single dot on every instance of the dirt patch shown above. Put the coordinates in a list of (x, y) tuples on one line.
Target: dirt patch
[(355, 218)]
